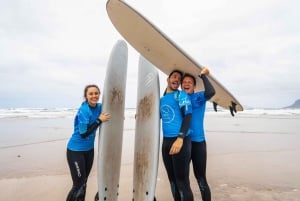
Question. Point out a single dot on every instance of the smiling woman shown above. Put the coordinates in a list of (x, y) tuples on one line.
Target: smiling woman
[(92, 94), (80, 148)]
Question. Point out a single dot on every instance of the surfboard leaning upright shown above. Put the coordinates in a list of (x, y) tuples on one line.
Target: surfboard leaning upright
[(111, 132), (161, 51), (147, 132)]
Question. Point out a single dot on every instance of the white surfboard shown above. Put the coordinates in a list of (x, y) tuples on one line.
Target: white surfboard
[(147, 132), (111, 132), (161, 51)]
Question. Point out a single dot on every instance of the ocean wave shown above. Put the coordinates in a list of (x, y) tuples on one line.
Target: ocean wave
[(44, 113), (48, 113)]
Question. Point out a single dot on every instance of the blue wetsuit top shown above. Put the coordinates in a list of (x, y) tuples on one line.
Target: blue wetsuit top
[(199, 103), (171, 105), (197, 129), (85, 117)]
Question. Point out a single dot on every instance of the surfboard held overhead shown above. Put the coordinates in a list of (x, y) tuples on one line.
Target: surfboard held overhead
[(162, 52)]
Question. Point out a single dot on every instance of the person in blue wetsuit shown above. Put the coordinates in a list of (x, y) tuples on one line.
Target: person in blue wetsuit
[(176, 114), (80, 147), (199, 153)]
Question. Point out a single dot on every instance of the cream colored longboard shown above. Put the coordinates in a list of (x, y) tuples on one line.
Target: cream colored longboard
[(147, 132), (111, 132), (161, 51)]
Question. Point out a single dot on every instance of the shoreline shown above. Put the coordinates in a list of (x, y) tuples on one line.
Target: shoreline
[(249, 159), (223, 189)]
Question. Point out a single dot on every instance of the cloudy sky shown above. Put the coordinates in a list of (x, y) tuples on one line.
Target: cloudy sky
[(51, 49)]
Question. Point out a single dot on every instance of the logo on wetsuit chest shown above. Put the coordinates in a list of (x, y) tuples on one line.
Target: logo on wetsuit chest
[(167, 113)]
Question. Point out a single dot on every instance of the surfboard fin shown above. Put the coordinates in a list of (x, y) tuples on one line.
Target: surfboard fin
[(232, 108), (215, 106), (231, 111), (97, 196)]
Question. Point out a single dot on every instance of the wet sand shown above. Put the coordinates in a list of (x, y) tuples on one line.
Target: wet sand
[(250, 158)]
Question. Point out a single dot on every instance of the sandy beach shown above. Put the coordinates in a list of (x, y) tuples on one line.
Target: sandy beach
[(251, 157)]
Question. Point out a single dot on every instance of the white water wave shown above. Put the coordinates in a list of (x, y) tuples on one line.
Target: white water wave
[(48, 113)]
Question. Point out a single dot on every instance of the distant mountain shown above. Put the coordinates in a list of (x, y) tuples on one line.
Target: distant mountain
[(296, 105)]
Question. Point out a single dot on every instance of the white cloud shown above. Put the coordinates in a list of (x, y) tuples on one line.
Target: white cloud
[(49, 50)]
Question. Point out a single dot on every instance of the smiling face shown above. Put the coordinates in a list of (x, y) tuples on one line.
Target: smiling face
[(174, 81), (92, 95), (188, 84)]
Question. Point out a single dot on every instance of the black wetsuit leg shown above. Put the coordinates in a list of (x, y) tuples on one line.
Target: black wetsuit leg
[(167, 159), (80, 164), (177, 167), (199, 158)]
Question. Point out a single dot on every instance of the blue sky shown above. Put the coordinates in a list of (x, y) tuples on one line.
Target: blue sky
[(51, 49)]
